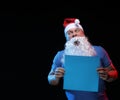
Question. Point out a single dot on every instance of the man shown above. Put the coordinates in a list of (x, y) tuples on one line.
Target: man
[(78, 44)]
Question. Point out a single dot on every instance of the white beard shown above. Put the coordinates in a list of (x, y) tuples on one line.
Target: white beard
[(79, 46)]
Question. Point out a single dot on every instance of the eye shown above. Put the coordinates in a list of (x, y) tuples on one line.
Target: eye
[(69, 32), (77, 30)]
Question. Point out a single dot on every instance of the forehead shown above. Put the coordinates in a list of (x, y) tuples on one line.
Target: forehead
[(72, 29)]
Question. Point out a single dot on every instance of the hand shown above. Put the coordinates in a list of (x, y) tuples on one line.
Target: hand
[(59, 72), (103, 73)]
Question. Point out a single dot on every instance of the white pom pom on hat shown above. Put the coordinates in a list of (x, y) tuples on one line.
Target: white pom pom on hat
[(77, 21), (71, 23)]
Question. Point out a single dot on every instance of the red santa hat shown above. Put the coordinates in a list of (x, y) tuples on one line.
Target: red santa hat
[(71, 23)]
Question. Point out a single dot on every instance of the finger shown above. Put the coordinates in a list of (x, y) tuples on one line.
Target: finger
[(101, 69), (59, 74), (60, 70)]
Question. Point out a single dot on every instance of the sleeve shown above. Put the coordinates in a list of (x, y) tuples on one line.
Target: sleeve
[(57, 60), (106, 61)]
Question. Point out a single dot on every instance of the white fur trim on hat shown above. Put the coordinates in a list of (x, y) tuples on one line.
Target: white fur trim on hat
[(73, 25)]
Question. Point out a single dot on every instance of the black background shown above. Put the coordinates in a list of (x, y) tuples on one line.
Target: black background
[(32, 33)]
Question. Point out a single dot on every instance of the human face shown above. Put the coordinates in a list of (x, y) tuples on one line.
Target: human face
[(74, 32)]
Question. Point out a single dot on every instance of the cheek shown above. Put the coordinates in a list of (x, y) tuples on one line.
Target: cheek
[(81, 33), (68, 37)]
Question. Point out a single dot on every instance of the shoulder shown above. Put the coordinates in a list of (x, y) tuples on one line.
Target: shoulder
[(59, 53), (98, 48)]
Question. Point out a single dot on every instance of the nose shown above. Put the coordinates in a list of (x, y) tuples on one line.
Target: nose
[(74, 34)]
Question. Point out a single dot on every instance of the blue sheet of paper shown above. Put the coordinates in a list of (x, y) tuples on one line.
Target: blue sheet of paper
[(80, 73)]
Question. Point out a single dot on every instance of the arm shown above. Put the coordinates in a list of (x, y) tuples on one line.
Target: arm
[(108, 74)]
